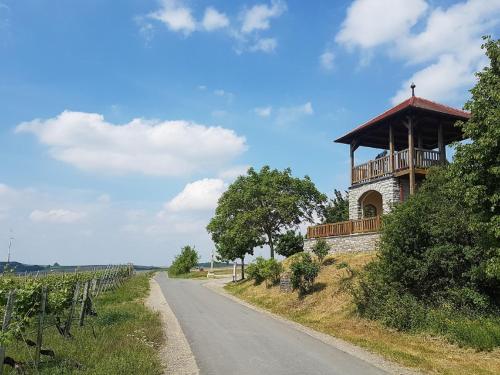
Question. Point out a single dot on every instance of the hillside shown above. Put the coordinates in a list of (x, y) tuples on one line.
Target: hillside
[(330, 309)]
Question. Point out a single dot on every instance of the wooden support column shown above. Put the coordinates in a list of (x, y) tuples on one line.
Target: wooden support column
[(353, 148), (391, 148), (411, 154), (441, 146)]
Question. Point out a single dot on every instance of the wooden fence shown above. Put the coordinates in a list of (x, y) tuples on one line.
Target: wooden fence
[(345, 228)]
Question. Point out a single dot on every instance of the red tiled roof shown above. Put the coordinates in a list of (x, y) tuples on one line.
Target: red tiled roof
[(414, 102)]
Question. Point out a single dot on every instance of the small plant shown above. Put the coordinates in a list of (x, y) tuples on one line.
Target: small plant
[(304, 272), (265, 270), (321, 249), (342, 265)]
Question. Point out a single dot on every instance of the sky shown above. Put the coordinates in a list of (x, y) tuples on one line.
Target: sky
[(122, 122)]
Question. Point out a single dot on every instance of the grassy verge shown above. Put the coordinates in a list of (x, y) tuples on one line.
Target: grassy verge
[(122, 339), (330, 310), (219, 272)]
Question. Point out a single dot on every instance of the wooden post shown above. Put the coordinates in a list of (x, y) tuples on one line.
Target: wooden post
[(411, 155), (391, 147), (41, 319), (84, 302), (67, 327), (441, 146), (5, 325), (352, 149)]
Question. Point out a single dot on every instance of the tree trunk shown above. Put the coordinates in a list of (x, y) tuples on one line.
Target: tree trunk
[(242, 268), (271, 245)]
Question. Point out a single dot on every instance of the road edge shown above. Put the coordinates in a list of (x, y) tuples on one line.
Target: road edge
[(176, 355), (356, 351)]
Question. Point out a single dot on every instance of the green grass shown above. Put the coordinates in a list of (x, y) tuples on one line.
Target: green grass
[(127, 336), (219, 272)]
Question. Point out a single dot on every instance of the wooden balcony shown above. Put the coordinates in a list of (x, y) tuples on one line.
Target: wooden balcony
[(422, 159), (343, 228)]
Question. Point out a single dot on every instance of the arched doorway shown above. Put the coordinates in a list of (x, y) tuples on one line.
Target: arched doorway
[(370, 204)]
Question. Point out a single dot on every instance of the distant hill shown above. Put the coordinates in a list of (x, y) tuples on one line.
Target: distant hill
[(216, 265)]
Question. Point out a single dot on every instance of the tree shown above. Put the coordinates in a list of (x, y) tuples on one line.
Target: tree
[(477, 163), (187, 259), (321, 249), (304, 272), (337, 208), (269, 201), (290, 243)]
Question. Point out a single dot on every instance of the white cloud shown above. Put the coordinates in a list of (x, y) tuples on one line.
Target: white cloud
[(175, 16), (213, 19), (168, 148), (448, 41), (263, 111), (288, 115), (326, 60), (259, 16), (58, 216), (198, 195), (231, 173), (373, 22), (266, 45)]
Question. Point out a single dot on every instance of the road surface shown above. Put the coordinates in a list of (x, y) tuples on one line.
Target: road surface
[(229, 338)]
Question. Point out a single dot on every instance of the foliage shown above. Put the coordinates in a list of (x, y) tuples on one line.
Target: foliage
[(265, 203), (268, 270), (337, 208), (187, 259), (321, 249), (304, 271), (290, 243)]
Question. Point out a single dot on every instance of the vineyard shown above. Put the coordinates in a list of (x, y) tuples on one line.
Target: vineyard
[(32, 304)]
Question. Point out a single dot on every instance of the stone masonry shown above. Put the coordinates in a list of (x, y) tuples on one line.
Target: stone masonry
[(343, 244), (387, 187)]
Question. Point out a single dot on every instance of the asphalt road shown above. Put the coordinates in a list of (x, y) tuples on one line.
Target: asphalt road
[(229, 338)]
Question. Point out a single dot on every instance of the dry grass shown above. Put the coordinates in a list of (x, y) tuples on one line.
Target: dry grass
[(330, 309)]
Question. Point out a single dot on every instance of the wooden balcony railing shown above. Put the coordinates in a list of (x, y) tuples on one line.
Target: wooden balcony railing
[(344, 228), (382, 167)]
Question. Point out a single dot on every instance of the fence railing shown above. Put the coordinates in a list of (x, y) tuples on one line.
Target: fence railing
[(381, 167), (344, 228)]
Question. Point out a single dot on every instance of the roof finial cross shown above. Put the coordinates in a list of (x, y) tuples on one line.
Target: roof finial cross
[(413, 89)]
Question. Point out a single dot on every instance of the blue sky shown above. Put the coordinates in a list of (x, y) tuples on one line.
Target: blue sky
[(122, 122)]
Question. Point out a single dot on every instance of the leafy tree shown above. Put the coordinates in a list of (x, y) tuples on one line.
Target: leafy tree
[(321, 249), (290, 243), (187, 259), (269, 201), (477, 164), (304, 271), (337, 208)]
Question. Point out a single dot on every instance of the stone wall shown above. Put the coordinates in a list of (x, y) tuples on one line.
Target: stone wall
[(343, 244), (387, 187)]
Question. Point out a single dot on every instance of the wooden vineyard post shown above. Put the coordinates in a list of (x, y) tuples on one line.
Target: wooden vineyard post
[(84, 303), (67, 327), (5, 325), (94, 286), (41, 319)]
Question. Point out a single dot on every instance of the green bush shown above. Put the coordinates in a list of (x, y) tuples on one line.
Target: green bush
[(187, 259), (265, 270), (304, 271), (290, 243), (321, 249)]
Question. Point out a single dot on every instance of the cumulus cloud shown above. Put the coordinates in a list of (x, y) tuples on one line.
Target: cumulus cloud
[(445, 48), (213, 19), (151, 147), (59, 216), (263, 111), (259, 16), (231, 173), (198, 195), (176, 16)]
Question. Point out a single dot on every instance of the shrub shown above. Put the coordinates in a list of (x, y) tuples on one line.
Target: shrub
[(304, 272), (265, 270), (187, 259), (321, 249), (290, 243)]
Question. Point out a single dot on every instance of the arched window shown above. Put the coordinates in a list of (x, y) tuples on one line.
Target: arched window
[(369, 210)]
